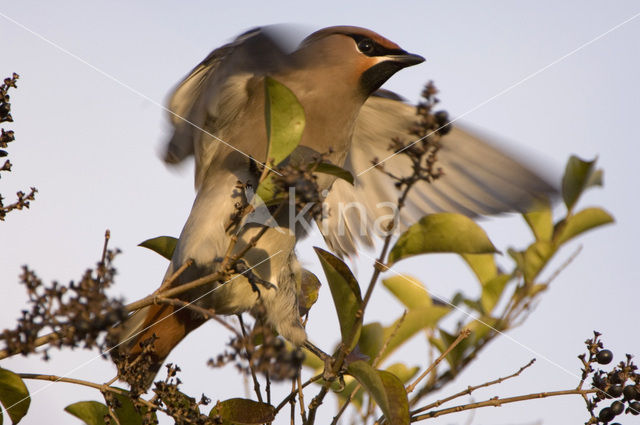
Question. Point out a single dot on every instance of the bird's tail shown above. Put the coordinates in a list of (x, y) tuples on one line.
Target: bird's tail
[(146, 339)]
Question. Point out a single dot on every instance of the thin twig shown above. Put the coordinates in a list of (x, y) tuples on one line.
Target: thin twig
[(256, 384), (168, 282), (206, 313), (294, 393), (463, 334), (379, 267), (471, 389), (497, 402), (303, 414)]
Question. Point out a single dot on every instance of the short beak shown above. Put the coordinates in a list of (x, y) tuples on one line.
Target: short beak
[(406, 59)]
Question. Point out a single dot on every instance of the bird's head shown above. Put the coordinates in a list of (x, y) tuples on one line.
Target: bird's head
[(357, 56)]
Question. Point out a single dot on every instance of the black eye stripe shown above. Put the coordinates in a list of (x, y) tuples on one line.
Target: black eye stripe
[(376, 48)]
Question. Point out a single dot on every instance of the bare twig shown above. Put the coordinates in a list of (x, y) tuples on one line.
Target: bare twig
[(463, 334), (294, 393), (303, 414), (497, 402), (171, 279), (206, 313), (256, 384), (471, 389)]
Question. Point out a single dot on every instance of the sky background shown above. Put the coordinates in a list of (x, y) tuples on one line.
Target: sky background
[(89, 131)]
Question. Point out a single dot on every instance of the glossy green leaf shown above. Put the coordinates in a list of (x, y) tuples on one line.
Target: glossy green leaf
[(14, 395), (163, 245), (442, 232), (540, 221), (334, 170), (535, 258), (483, 265), (346, 295), (577, 174), (285, 121), (309, 290), (402, 372), (587, 219), (243, 412), (385, 388), (284, 117), (416, 320), (90, 412), (492, 292), (127, 412), (371, 339), (408, 290)]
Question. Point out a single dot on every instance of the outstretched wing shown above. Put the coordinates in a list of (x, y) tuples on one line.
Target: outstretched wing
[(214, 92), (478, 178)]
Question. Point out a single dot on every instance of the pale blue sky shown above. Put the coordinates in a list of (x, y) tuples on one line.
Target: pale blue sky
[(90, 145)]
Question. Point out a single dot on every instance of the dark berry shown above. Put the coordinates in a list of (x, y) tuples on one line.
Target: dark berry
[(604, 356), (630, 392), (615, 391), (634, 408), (617, 407), (606, 414), (616, 378)]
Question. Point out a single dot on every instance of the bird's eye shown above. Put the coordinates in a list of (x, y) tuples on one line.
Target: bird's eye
[(365, 45)]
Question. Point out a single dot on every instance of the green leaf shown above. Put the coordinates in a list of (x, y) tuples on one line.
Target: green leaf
[(442, 232), (595, 179), (577, 174), (415, 320), (480, 328), (540, 221), (334, 170), (243, 411), (312, 361), (14, 395), (285, 121), (308, 293), (580, 222), (408, 290), (350, 385), (402, 372), (90, 412), (535, 258), (127, 412), (163, 245), (483, 265), (346, 295), (371, 339), (492, 291), (385, 388)]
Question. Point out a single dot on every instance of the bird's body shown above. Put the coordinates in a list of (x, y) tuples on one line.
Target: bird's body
[(218, 117)]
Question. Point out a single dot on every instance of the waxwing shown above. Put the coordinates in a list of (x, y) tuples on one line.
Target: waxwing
[(217, 113)]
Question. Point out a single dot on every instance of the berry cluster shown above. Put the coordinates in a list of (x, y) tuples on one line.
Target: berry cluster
[(621, 384)]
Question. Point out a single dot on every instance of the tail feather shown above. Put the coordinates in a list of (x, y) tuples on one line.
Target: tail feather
[(166, 325)]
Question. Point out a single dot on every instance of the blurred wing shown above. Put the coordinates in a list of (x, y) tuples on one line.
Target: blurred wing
[(478, 178), (214, 92)]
